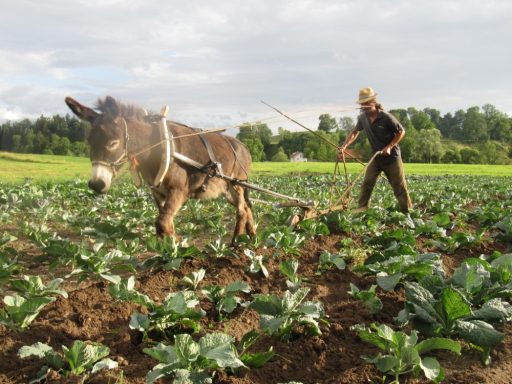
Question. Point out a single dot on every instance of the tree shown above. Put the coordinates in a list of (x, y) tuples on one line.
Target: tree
[(346, 124), (434, 115), (402, 116), (255, 148), (451, 156), (499, 126), (428, 147), (408, 144), (494, 153), (420, 120), (280, 156), (258, 131), (470, 156), (327, 123), (474, 127)]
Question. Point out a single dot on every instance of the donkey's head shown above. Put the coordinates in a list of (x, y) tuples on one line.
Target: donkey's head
[(108, 139)]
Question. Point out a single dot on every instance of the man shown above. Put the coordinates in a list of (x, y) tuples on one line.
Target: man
[(384, 132)]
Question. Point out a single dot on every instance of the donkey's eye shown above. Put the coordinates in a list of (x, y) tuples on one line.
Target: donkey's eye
[(112, 145)]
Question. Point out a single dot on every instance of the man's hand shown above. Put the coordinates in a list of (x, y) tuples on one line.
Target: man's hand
[(386, 151), (341, 151)]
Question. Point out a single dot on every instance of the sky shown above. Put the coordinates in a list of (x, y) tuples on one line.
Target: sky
[(213, 62)]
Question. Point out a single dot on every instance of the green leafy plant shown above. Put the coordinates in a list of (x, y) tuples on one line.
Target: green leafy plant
[(179, 311), (32, 286), (280, 316), (256, 262), (9, 265), (402, 352), (193, 279), (313, 228), (285, 241), (504, 227), (289, 269), (81, 358), (101, 262), (368, 297), (448, 312), (170, 253), (224, 298), (218, 248), (395, 269), (18, 312), (188, 361), (327, 260), (256, 359)]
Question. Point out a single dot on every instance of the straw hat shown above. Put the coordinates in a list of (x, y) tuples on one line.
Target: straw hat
[(366, 94)]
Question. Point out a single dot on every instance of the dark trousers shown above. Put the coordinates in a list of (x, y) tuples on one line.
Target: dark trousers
[(394, 171)]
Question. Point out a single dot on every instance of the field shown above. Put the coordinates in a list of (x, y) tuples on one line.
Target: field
[(16, 168), (309, 295)]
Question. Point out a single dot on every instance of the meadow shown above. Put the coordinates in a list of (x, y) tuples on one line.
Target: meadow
[(16, 168)]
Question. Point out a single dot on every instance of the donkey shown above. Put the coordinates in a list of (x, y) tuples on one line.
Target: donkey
[(125, 133)]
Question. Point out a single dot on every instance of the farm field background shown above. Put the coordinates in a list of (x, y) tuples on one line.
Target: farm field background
[(15, 168), (342, 273)]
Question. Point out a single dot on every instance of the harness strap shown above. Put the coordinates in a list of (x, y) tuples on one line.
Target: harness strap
[(211, 154)]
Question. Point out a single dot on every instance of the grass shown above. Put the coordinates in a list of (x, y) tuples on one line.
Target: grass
[(16, 168), (276, 169)]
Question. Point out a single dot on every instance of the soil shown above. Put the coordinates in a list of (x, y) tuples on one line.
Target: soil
[(90, 313)]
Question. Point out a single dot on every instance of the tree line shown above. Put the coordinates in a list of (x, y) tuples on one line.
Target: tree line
[(54, 135), (477, 135)]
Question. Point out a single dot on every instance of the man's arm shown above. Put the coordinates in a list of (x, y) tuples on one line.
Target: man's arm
[(349, 140), (396, 139)]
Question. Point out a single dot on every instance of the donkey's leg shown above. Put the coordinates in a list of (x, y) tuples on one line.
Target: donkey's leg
[(244, 218), (167, 211), (235, 196), (250, 227)]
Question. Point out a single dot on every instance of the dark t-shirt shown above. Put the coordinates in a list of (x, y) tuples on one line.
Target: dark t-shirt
[(381, 131)]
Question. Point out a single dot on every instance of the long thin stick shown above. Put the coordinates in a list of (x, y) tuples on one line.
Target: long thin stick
[(302, 125), (313, 132)]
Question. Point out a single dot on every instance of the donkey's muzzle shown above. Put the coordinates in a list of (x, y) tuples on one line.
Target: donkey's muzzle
[(97, 186)]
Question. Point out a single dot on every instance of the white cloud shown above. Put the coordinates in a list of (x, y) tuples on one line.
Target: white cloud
[(214, 61)]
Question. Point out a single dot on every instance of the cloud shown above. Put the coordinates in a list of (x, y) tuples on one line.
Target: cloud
[(214, 61)]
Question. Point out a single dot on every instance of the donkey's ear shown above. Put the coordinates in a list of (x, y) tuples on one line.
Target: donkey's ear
[(81, 111), (110, 107)]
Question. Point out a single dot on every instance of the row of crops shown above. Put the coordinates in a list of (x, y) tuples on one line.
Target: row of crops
[(58, 237)]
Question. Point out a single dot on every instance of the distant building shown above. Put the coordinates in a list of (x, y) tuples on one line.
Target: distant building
[(297, 157)]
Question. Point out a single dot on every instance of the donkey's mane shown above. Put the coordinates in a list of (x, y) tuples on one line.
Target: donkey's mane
[(125, 110)]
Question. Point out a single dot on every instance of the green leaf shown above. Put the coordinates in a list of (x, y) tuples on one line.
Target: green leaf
[(219, 347), (494, 310), (258, 359), (387, 363), (104, 364), (388, 282), (163, 353), (431, 368), (479, 333), (453, 305), (438, 343), (266, 304), (237, 286), (186, 348), (183, 376), (38, 349), (140, 322), (367, 335), (441, 219)]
